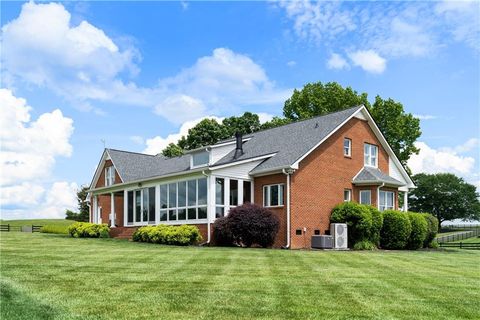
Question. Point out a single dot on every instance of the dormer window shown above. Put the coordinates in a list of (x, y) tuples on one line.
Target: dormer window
[(371, 155), (200, 159), (109, 176)]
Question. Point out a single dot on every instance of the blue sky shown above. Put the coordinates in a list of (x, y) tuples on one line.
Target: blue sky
[(138, 75)]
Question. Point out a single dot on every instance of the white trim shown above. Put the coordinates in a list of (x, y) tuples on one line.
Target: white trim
[(349, 195), (349, 154), (360, 196), (112, 210), (203, 165), (268, 186), (230, 164), (101, 165)]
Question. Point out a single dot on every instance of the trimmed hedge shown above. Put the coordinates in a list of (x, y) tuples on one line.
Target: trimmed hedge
[(88, 230), (247, 225), (358, 219), (377, 224), (364, 245), (396, 230), (173, 235), (432, 229), (419, 230)]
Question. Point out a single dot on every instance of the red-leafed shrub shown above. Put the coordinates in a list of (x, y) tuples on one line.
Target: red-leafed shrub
[(249, 225)]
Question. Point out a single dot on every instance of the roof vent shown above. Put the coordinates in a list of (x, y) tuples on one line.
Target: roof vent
[(316, 125), (239, 147)]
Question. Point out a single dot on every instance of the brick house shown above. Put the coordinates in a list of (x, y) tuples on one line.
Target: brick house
[(300, 171)]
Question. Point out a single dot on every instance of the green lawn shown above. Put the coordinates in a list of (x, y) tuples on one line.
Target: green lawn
[(469, 240), (47, 276), (37, 222)]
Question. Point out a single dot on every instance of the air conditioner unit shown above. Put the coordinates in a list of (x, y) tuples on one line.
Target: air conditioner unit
[(339, 233), (322, 242)]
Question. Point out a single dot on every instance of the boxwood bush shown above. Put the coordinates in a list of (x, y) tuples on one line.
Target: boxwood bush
[(419, 230), (396, 230), (377, 224), (173, 235), (432, 229), (358, 219), (88, 230), (247, 225), (365, 245)]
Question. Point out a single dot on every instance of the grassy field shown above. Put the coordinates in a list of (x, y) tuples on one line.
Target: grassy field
[(469, 240), (37, 222), (47, 276)]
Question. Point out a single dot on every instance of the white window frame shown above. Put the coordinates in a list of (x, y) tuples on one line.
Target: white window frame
[(368, 155), (192, 166), (369, 195), (267, 193), (349, 192), (348, 149), (109, 176), (384, 196)]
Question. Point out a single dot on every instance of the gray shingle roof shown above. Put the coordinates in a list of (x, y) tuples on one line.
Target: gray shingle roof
[(289, 142), (370, 174), (136, 166)]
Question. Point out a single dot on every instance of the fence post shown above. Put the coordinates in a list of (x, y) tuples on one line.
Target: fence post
[(460, 245), (8, 227)]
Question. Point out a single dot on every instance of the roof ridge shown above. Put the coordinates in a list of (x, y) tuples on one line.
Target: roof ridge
[(143, 154), (287, 124)]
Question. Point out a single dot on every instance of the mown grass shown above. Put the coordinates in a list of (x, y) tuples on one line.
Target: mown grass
[(469, 240), (37, 222), (46, 276)]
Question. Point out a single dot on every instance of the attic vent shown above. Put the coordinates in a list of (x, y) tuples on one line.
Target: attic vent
[(316, 125)]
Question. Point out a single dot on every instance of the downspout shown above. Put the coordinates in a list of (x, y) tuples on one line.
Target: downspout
[(378, 194), (208, 216), (288, 173)]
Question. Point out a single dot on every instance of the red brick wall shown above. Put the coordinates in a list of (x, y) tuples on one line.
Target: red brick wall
[(101, 178), (319, 183), (104, 201), (280, 212)]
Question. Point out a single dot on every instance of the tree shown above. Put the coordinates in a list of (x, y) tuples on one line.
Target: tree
[(401, 129), (84, 212), (275, 122), (446, 196), (245, 124), (206, 132), (172, 150)]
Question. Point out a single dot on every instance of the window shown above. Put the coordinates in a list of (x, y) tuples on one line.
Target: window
[(247, 191), (370, 155), (141, 206), (386, 200), (347, 195), (219, 197), (347, 147), (200, 158), (273, 195), (183, 200), (233, 192), (365, 197), (109, 176)]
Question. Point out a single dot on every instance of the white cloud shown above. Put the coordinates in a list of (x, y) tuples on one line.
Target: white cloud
[(156, 144), (137, 139), (425, 116), (291, 63), (431, 160), (29, 150), (336, 61), (368, 60), (264, 117), (75, 61), (84, 65), (469, 145)]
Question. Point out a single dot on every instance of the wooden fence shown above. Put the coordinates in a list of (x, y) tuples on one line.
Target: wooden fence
[(30, 228), (459, 236), (460, 245)]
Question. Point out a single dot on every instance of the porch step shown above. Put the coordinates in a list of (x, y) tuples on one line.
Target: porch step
[(122, 232)]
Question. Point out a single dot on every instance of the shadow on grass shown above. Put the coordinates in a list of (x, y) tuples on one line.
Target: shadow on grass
[(15, 304)]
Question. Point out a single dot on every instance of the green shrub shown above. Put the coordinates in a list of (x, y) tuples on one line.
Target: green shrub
[(358, 219), (419, 230), (432, 224), (173, 235), (377, 223), (364, 245), (53, 228), (88, 230), (396, 230)]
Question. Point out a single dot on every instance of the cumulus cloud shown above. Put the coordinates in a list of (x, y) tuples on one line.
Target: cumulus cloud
[(425, 116), (430, 160), (368, 60), (29, 151), (156, 144), (336, 61), (84, 65)]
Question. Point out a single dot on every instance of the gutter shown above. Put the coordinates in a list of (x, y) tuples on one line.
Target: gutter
[(378, 194), (288, 172)]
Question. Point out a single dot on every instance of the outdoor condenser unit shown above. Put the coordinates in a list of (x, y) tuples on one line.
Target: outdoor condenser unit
[(339, 233), (322, 242)]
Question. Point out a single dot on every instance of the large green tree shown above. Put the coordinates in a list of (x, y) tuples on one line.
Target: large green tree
[(83, 213), (172, 150), (446, 196), (401, 129)]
